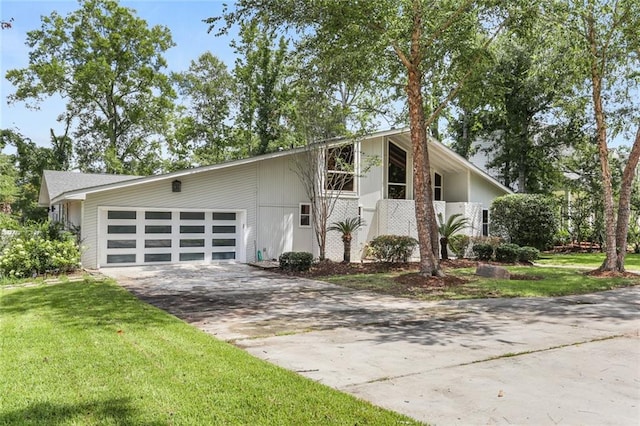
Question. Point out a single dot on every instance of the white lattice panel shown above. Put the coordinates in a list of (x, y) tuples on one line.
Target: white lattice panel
[(344, 209)]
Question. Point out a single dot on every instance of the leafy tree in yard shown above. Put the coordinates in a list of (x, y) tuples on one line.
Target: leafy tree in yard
[(107, 64), (202, 134), (347, 227), (605, 39), (524, 219), (407, 43)]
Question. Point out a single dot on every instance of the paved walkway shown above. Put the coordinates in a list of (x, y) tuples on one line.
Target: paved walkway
[(568, 360)]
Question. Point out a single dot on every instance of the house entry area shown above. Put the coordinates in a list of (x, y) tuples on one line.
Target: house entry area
[(137, 236)]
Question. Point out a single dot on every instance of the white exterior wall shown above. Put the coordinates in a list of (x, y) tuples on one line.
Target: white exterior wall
[(224, 189), (483, 192), (279, 195), (456, 187)]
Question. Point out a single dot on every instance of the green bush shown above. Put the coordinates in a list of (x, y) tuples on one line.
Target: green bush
[(507, 253), (392, 248), (36, 255), (295, 261), (528, 254), (483, 251), (458, 244), (525, 219)]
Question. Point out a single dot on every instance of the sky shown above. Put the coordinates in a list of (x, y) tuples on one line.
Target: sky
[(183, 18)]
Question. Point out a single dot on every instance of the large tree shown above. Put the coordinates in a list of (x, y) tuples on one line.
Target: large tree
[(605, 51), (416, 44), (107, 65), (202, 130)]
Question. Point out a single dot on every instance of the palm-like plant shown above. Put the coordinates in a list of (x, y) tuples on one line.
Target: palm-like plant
[(455, 223), (347, 227)]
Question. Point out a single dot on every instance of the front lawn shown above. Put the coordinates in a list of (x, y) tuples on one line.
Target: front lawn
[(90, 353), (462, 283), (587, 260)]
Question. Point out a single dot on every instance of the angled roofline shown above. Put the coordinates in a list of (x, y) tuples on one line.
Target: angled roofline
[(81, 193)]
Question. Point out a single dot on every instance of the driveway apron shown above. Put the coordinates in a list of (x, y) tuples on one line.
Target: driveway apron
[(568, 360)]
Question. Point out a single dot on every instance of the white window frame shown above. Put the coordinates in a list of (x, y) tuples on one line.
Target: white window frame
[(440, 187), (301, 215), (406, 170), (353, 173)]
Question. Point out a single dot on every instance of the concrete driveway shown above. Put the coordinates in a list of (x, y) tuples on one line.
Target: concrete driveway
[(568, 360)]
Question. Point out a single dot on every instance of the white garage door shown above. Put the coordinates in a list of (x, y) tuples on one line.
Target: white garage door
[(152, 236)]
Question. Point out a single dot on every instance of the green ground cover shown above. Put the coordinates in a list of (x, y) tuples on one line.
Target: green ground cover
[(89, 353), (464, 284), (586, 260)]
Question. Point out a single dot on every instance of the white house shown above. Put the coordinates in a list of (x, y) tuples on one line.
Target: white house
[(257, 207)]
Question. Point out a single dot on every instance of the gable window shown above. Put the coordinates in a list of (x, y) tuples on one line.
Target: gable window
[(437, 187), (397, 173), (340, 168), (485, 223), (304, 220)]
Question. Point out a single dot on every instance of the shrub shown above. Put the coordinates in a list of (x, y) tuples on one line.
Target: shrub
[(295, 261), (507, 253), (36, 255), (458, 244), (483, 251), (528, 254), (392, 248), (524, 219)]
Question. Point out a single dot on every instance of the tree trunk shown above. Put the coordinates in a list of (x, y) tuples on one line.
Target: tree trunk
[(624, 205), (610, 260), (443, 248), (346, 239)]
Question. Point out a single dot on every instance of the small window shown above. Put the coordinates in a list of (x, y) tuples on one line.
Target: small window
[(437, 187), (485, 223), (340, 168), (224, 229), (223, 255), (224, 216), (223, 242), (157, 257), (121, 229), (157, 243), (397, 173), (192, 243), (157, 229), (119, 214), (191, 215), (191, 229), (305, 215), (157, 215), (116, 244), (121, 258), (191, 256)]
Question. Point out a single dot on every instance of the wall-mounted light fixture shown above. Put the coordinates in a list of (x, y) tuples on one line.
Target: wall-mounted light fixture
[(51, 209), (176, 186)]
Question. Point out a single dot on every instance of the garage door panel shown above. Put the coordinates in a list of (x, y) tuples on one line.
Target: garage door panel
[(151, 236)]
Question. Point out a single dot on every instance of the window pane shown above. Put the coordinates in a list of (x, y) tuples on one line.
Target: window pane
[(191, 215), (121, 229), (305, 220), (224, 216), (437, 194), (115, 244), (191, 256), (223, 255), (397, 164), (118, 214), (157, 215), (305, 208), (157, 229), (157, 243), (160, 257), (224, 229), (223, 242), (185, 229), (397, 192), (437, 180), (192, 243), (121, 258), (340, 158), (339, 182)]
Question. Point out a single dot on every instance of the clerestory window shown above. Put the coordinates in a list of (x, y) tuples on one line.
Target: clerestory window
[(397, 173), (340, 168)]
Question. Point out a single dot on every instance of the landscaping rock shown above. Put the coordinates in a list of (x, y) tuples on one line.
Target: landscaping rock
[(492, 271)]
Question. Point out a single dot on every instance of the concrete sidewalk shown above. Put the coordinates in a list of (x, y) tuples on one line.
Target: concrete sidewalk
[(569, 360)]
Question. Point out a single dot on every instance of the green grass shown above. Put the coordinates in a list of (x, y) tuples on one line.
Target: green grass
[(549, 282), (89, 353), (587, 260)]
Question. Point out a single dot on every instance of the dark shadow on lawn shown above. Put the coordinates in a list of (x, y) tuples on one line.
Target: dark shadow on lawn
[(83, 305), (117, 411)]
